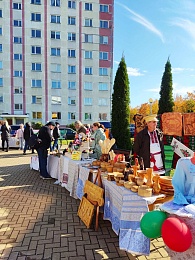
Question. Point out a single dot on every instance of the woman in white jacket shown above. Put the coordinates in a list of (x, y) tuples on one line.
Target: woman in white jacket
[(20, 136)]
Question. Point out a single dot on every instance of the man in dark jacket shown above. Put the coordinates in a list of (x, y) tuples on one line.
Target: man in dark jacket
[(45, 136), (56, 136), (28, 131), (149, 145)]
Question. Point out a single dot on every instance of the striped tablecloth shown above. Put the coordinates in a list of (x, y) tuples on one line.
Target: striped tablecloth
[(124, 209)]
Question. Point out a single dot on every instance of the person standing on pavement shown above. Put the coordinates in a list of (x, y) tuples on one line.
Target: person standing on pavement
[(45, 136), (5, 135), (56, 136), (149, 145), (28, 131), (20, 136)]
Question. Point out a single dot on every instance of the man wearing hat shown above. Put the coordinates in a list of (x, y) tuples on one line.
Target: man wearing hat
[(149, 145), (45, 136)]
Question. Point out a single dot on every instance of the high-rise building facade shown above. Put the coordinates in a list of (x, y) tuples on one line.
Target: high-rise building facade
[(56, 60)]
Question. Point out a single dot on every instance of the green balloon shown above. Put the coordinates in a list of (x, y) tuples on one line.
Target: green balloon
[(151, 223)]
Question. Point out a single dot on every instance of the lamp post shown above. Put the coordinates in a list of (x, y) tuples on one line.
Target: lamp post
[(150, 102)]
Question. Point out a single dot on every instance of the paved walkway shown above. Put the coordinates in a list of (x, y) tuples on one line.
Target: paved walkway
[(38, 220)]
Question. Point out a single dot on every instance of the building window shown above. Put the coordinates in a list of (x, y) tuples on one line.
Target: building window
[(102, 102), (71, 69), (102, 116), (55, 35), (103, 86), (1, 13), (71, 36), (1, 82), (18, 106), (89, 38), (71, 116), (36, 50), (88, 22), (36, 66), (1, 65), (88, 71), (88, 55), (55, 51), (72, 101), (88, 85), (56, 115), (17, 6), (55, 18), (56, 84), (71, 20), (72, 53), (18, 90), (36, 2), (36, 100), (17, 23), (103, 39), (17, 39), (55, 67), (17, 73), (36, 33), (104, 8), (103, 71), (36, 83), (1, 30), (37, 115), (56, 100), (1, 47), (71, 84), (35, 17), (103, 55), (88, 116), (104, 24), (55, 2), (1, 98), (88, 7), (88, 101), (72, 4)]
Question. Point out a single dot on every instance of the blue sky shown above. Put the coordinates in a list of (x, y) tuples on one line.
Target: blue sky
[(147, 32)]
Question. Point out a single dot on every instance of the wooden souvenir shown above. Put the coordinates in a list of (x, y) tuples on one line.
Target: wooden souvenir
[(149, 182), (94, 195), (156, 185), (86, 211)]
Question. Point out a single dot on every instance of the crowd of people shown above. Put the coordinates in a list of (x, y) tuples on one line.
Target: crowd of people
[(49, 135)]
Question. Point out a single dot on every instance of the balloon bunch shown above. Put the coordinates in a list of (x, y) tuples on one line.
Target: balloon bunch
[(175, 233)]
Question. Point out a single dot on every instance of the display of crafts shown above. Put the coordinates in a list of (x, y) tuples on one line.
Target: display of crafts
[(145, 183)]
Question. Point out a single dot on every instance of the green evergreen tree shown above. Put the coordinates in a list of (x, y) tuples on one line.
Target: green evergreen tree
[(120, 116), (166, 102)]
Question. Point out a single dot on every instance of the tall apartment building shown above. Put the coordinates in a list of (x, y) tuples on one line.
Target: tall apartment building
[(56, 60)]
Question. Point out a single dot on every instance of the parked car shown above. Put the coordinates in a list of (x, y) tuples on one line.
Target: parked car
[(67, 133), (14, 129), (13, 141), (106, 124), (132, 129)]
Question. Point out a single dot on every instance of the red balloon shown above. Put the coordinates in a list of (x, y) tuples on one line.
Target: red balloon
[(176, 234)]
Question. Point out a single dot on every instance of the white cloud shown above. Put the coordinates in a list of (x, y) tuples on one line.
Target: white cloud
[(143, 21), (134, 72), (131, 71), (187, 26), (178, 70), (155, 90), (182, 90)]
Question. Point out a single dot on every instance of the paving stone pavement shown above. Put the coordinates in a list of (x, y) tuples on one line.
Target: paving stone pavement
[(38, 220)]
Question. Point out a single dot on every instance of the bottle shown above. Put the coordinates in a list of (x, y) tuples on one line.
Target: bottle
[(123, 158)]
